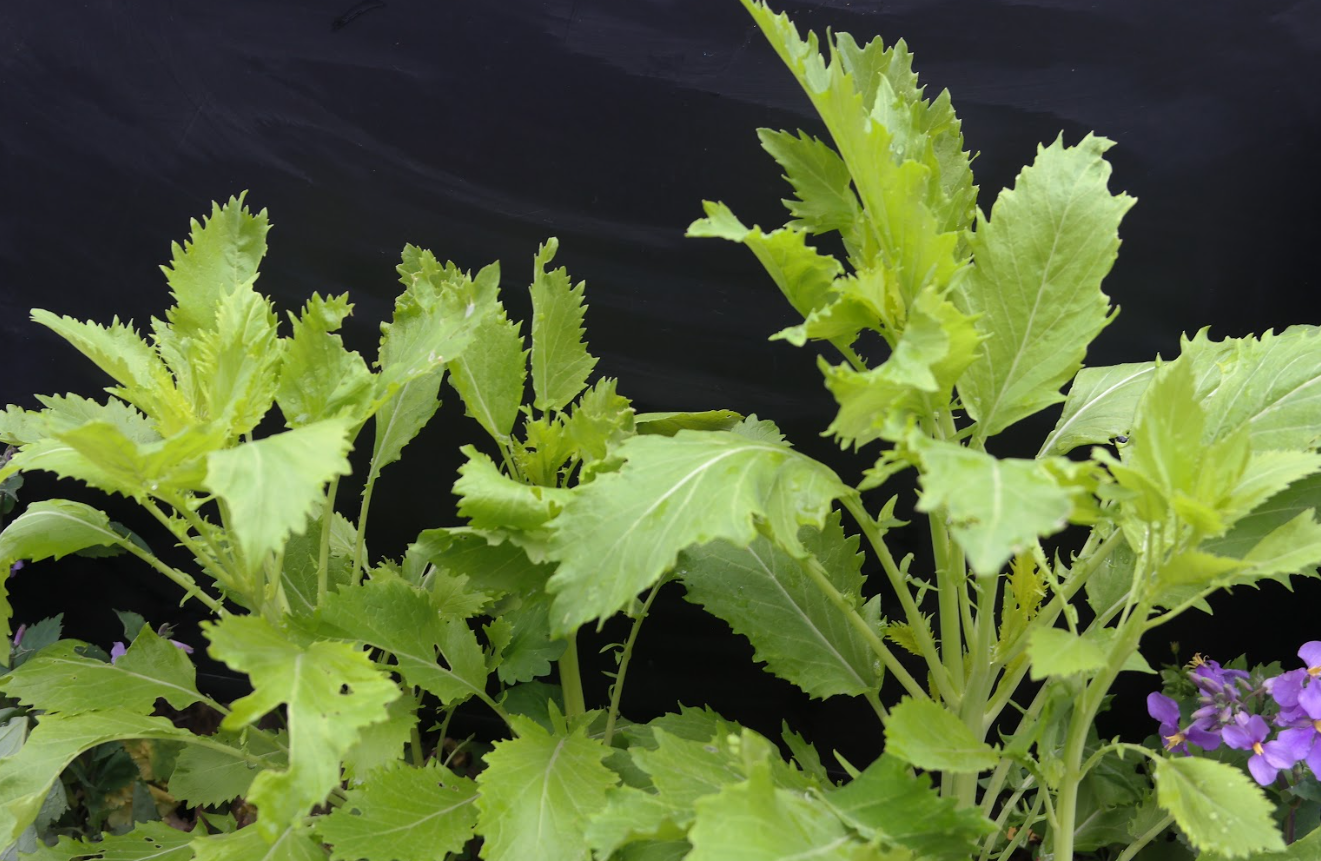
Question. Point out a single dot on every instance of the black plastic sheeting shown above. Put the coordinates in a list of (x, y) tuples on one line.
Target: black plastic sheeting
[(477, 129)]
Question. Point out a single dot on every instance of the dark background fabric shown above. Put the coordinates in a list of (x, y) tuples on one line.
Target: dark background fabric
[(477, 129)]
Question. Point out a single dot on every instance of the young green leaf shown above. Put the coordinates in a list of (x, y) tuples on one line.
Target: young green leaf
[(402, 814), (887, 802), (932, 737), (272, 486), (1057, 652), (1100, 406), (1217, 806), (764, 594), (489, 375), (1036, 285), (319, 379), (221, 256), (821, 180), (560, 361), (136, 469), (492, 500), (330, 690), (670, 423), (55, 528), (538, 793), (621, 532)]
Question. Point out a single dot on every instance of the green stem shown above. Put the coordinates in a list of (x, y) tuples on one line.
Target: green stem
[(875, 702), (1005, 812), (1144, 838), (818, 576), (323, 557), (571, 681), (208, 554), (983, 672), (415, 739), (360, 543), (188, 584), (948, 584), (616, 690)]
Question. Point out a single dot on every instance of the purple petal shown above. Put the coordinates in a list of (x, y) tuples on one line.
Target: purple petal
[(1262, 771), (117, 651), (184, 647), (1285, 687), (1205, 739), (1314, 759), (1162, 708), (1237, 737), (18, 635), (1309, 700), (1291, 746), (1311, 653)]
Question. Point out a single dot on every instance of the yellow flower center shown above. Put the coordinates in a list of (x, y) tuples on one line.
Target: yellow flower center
[(1173, 741), (1314, 671), (1256, 748)]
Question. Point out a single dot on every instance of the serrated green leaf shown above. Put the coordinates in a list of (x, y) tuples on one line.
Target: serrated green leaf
[(401, 619), (601, 419), (273, 485), (1057, 652), (382, 744), (996, 507), (670, 423), (930, 736), (887, 802), (1100, 406), (821, 181), (66, 412), (221, 256), (764, 594), (560, 361), (529, 651), (496, 569), (538, 793), (148, 841), (631, 816), (490, 373), (208, 776), (402, 417), (60, 679), (55, 528), (402, 814), (331, 691), (26, 777), (1217, 806), (1036, 285), (319, 379), (1272, 384), (618, 534), (289, 843), (492, 500), (138, 469)]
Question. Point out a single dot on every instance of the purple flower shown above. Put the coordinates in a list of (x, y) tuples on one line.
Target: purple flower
[(1249, 732), (13, 569), (1166, 711)]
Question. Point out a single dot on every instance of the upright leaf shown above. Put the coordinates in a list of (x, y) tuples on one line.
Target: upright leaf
[(538, 792), (1036, 285), (489, 374), (319, 378), (826, 201), (330, 690), (621, 532), (560, 361), (402, 417), (221, 256)]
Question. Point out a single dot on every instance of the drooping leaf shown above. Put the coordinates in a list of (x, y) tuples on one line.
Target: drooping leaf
[(221, 256), (381, 745), (538, 793), (489, 374), (55, 528), (66, 412), (402, 814), (1100, 406), (618, 534), (560, 361), (330, 690), (1036, 285), (495, 569), (932, 737), (319, 379), (529, 650), (1217, 806), (401, 619), (764, 594), (138, 469), (148, 841), (996, 507), (61, 679), (492, 500), (208, 775), (275, 484), (888, 802)]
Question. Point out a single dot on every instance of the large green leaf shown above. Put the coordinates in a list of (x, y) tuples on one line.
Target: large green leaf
[(889, 803), (330, 690), (764, 594), (221, 256), (930, 736), (1217, 806), (211, 775), (60, 678), (1273, 385), (490, 373), (1100, 406), (392, 615), (401, 418), (618, 534), (55, 528), (560, 361), (138, 469), (995, 506), (319, 378), (289, 843), (1036, 285), (402, 814), (538, 792), (273, 485), (148, 841)]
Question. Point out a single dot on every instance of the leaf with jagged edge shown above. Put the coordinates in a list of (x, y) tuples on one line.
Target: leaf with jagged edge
[(207, 776), (60, 678), (995, 507), (402, 814), (330, 690), (601, 419), (382, 744), (560, 361), (290, 843), (302, 554), (938, 343), (865, 300), (529, 649), (821, 180), (148, 841), (1271, 384), (319, 378), (402, 417), (492, 500), (272, 486), (66, 412), (1217, 807), (1100, 406), (27, 776), (490, 373), (144, 380), (539, 791), (55, 528), (541, 455), (222, 255), (930, 736), (1267, 518), (140, 469), (618, 534), (1036, 285), (802, 273), (401, 619), (670, 423), (889, 803), (764, 594), (496, 569)]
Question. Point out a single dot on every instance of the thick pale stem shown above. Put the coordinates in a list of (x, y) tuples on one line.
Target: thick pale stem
[(571, 681)]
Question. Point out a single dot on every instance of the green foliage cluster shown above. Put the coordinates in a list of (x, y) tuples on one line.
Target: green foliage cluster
[(576, 510)]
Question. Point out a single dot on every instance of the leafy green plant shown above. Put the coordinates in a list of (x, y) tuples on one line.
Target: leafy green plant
[(578, 510)]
